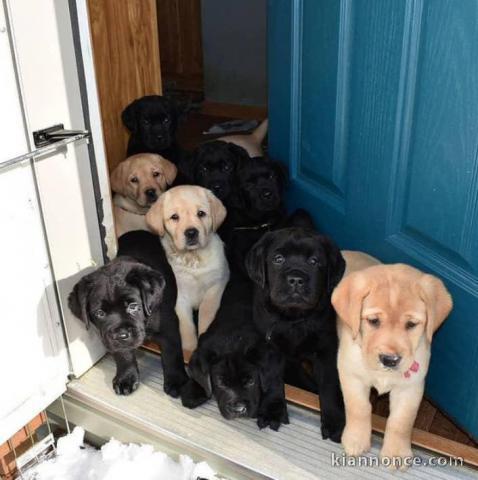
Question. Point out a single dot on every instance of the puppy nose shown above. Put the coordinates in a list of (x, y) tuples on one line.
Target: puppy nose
[(216, 187), (295, 280), (390, 361), (122, 334), (267, 194), (151, 194), (191, 233), (239, 408)]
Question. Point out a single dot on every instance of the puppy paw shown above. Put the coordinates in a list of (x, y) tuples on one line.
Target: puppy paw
[(173, 385), (332, 428), (193, 395), (126, 383), (356, 441), (396, 456), (273, 416)]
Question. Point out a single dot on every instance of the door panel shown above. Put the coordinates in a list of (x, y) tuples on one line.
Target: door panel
[(51, 95), (374, 110)]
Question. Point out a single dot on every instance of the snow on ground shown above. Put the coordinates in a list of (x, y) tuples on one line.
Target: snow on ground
[(115, 461)]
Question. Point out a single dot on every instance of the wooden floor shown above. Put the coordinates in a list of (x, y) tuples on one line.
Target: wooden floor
[(430, 418)]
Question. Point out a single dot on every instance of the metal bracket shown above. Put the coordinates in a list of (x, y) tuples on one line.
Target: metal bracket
[(53, 134)]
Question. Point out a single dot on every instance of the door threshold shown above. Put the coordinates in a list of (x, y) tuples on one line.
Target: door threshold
[(235, 449)]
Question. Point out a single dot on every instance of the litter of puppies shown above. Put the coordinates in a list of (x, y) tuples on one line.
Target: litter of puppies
[(276, 300)]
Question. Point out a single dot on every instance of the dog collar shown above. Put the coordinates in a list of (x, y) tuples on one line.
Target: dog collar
[(413, 369), (131, 211), (254, 227)]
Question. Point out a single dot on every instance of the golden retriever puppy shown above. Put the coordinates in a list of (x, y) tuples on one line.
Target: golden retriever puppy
[(137, 182), (387, 315), (251, 142), (186, 218)]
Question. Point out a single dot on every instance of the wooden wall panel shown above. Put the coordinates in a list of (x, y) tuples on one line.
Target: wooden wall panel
[(181, 44), (126, 54)]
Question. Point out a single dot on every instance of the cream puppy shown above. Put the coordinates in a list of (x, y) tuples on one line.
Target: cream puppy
[(137, 182), (251, 142), (387, 315), (186, 218)]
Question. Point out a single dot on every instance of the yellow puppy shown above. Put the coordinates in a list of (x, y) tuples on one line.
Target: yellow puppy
[(137, 182), (387, 317), (186, 218)]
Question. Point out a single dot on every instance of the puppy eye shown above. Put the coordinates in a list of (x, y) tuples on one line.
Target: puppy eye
[(134, 180), (100, 313), (313, 261), (410, 325), (146, 121), (174, 217), (272, 176), (226, 167), (166, 120), (375, 322), (204, 168), (201, 213), (156, 174), (133, 308), (278, 259)]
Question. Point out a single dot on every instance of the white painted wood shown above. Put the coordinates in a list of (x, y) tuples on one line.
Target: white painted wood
[(51, 94), (33, 359)]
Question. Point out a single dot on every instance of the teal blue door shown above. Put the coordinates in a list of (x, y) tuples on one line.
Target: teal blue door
[(373, 104)]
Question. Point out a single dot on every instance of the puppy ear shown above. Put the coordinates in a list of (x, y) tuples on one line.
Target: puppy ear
[(199, 370), (282, 173), (128, 116), (151, 285), (78, 300), (269, 363), (118, 177), (218, 210), (347, 299), (335, 263), (154, 216), (169, 170), (300, 218), (437, 300), (255, 261)]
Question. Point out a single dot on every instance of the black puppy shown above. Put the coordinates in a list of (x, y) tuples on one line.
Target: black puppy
[(234, 363), (213, 165), (132, 299), (152, 121), (295, 270), (254, 208)]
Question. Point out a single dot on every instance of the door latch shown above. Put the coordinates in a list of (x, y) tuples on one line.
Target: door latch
[(53, 134)]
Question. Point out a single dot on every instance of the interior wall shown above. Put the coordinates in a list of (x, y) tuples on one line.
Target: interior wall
[(179, 23), (234, 51), (126, 53)]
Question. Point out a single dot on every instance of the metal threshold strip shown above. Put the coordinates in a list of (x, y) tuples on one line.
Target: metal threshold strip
[(237, 448)]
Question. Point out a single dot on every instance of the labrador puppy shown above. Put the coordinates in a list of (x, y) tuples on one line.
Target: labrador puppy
[(132, 299), (137, 182), (254, 208), (387, 317), (153, 122), (186, 218), (234, 363), (213, 165), (251, 142), (295, 270)]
